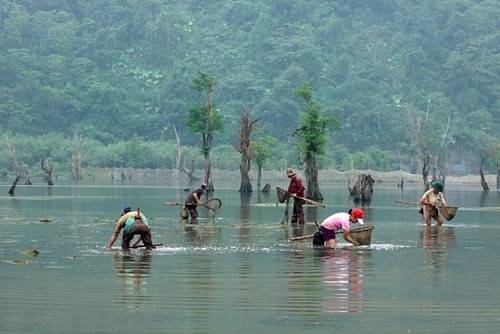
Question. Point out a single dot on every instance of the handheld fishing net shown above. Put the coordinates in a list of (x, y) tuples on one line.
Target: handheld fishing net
[(213, 204), (283, 195)]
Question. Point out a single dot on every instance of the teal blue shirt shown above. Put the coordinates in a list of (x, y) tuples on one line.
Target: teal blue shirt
[(129, 223)]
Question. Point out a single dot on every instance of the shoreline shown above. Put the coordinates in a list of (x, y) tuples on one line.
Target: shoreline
[(133, 176)]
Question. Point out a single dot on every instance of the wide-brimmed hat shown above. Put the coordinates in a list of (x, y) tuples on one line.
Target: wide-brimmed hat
[(357, 214), (290, 172)]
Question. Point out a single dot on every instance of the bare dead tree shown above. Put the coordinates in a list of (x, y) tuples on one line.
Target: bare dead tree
[(423, 158), (484, 184), (76, 171), (47, 168), (498, 178), (189, 171), (12, 190), (178, 152), (21, 172), (244, 146)]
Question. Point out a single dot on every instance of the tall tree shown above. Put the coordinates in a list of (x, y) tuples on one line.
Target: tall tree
[(244, 146), (313, 127), (206, 120)]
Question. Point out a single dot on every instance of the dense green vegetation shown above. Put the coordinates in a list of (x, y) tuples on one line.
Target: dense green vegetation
[(121, 72)]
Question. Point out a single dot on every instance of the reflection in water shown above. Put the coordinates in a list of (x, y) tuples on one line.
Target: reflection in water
[(297, 229), (201, 233), (132, 272), (435, 240), (343, 279), (331, 282), (245, 209), (193, 238)]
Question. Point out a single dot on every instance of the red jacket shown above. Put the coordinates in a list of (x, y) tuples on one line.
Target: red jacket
[(296, 186)]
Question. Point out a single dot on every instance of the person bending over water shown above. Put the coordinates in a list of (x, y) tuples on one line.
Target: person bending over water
[(193, 200), (337, 221), (430, 200), (132, 223)]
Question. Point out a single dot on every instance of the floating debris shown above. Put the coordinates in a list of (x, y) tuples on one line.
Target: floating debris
[(32, 252), (19, 262), (45, 220)]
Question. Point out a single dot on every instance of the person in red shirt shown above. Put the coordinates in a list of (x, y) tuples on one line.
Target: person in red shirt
[(296, 188)]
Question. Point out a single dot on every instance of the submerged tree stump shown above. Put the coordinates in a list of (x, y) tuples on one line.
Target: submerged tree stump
[(362, 190), (267, 188)]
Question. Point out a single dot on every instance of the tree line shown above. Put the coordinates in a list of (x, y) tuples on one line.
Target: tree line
[(413, 85)]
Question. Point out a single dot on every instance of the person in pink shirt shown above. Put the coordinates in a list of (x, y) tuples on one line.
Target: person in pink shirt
[(336, 222)]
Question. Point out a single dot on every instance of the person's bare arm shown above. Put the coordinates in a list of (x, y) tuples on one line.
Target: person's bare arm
[(196, 199), (423, 199), (348, 238), (443, 200), (118, 226), (112, 240)]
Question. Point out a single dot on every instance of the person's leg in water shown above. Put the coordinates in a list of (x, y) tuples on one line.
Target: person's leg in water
[(144, 232), (126, 239), (298, 211), (192, 211), (427, 213), (329, 236)]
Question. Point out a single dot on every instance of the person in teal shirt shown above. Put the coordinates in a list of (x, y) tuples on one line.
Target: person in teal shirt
[(132, 223)]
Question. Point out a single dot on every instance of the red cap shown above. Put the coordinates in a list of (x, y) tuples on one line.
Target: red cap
[(357, 214)]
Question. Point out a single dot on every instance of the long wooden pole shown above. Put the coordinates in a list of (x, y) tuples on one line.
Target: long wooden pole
[(420, 204), (307, 200)]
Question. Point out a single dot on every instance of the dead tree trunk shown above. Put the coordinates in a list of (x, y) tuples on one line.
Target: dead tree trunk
[(245, 148), (498, 177), (178, 153), (48, 171), (190, 173), (76, 171), (20, 172), (362, 190), (259, 173), (481, 173), (311, 172), (12, 190)]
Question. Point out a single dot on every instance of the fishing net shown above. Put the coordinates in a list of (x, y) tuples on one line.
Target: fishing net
[(448, 212), (283, 195), (184, 213), (213, 204), (362, 235)]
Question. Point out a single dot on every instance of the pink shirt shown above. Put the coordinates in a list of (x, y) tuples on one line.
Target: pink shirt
[(337, 221)]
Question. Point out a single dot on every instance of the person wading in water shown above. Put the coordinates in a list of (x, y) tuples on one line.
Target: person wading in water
[(430, 200), (296, 188), (336, 222), (193, 200), (132, 223)]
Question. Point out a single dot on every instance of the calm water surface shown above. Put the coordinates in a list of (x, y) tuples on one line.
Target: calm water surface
[(238, 273)]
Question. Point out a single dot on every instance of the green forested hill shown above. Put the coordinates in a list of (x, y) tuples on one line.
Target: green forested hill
[(121, 69)]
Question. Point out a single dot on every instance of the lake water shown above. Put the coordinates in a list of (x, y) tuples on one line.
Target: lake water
[(238, 273)]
